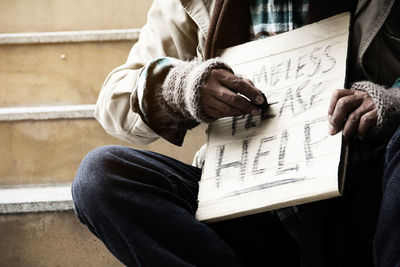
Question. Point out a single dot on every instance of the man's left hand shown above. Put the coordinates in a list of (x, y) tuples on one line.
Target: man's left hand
[(353, 111)]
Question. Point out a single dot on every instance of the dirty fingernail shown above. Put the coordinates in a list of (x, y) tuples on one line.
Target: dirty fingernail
[(331, 129), (259, 100)]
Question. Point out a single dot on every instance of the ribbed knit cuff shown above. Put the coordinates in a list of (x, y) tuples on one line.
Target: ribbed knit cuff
[(387, 102), (180, 92)]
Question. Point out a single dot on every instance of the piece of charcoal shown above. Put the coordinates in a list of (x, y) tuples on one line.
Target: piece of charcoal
[(264, 105)]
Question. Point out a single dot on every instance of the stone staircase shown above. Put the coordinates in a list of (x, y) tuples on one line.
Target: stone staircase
[(54, 56)]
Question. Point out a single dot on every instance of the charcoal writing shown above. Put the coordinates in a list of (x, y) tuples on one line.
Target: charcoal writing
[(251, 121), (296, 102), (282, 155), (265, 152), (234, 123), (260, 154), (241, 164), (307, 142), (318, 60), (332, 60)]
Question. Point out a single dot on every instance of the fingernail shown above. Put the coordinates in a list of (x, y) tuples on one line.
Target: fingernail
[(255, 112), (331, 129), (259, 100)]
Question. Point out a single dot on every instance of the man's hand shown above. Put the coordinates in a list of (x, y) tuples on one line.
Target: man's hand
[(353, 111), (220, 98)]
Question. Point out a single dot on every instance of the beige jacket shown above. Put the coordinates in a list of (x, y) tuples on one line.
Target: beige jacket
[(178, 29), (175, 29)]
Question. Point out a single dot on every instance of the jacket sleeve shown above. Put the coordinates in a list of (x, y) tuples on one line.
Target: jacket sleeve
[(168, 95), (169, 32)]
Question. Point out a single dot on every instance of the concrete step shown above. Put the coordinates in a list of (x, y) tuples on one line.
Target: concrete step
[(59, 68), (43, 147), (35, 198), (47, 112), (39, 228), (71, 15), (69, 36)]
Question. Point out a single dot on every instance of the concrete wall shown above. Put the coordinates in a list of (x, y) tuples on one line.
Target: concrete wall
[(43, 74), (71, 15), (40, 152), (49, 240)]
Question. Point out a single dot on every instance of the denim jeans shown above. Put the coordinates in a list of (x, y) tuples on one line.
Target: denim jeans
[(387, 238), (142, 206)]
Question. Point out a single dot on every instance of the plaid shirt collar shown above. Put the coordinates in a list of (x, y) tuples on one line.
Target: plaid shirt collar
[(270, 17)]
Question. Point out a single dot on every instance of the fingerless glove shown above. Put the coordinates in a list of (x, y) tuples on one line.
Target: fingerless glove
[(387, 102), (179, 94)]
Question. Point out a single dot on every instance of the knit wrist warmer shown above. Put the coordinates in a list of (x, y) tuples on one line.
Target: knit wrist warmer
[(179, 94), (387, 102)]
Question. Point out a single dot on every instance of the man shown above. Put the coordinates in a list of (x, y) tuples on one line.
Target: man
[(142, 204)]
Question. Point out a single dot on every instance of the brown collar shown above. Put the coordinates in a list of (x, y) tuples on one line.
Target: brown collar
[(229, 26)]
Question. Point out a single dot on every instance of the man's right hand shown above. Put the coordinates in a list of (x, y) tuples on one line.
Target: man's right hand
[(220, 95)]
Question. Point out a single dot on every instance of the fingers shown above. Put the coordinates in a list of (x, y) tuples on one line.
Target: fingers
[(367, 122), (221, 110), (353, 111), (344, 106), (354, 120), (242, 86), (337, 94), (216, 108), (219, 101)]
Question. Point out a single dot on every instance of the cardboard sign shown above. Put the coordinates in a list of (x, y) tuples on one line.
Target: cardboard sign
[(285, 156)]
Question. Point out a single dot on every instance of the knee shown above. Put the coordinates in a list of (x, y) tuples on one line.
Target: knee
[(94, 179)]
